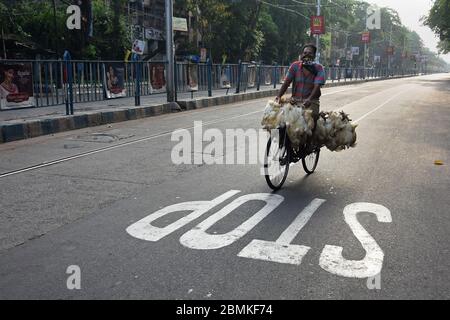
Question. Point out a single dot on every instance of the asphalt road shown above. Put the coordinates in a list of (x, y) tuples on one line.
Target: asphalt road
[(371, 222)]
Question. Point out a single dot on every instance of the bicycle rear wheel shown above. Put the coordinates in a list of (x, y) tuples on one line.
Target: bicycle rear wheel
[(276, 162), (310, 161)]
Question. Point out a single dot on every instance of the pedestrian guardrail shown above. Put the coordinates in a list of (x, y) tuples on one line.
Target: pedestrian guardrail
[(59, 82)]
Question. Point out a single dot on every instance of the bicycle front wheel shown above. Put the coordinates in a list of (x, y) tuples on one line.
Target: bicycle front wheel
[(310, 161), (276, 162)]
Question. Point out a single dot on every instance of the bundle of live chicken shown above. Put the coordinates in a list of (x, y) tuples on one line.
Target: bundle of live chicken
[(334, 130)]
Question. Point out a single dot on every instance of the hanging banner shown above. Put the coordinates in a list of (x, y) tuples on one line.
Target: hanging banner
[(365, 37), (16, 85), (225, 75), (113, 80), (203, 53), (158, 77), (179, 24), (349, 55), (138, 47), (193, 77), (317, 25)]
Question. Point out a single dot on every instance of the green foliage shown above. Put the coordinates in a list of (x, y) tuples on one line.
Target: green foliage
[(34, 22), (438, 20)]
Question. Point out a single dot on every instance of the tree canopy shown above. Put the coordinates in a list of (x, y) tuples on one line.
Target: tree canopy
[(438, 20)]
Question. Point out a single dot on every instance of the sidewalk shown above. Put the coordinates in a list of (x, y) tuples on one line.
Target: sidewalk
[(33, 122)]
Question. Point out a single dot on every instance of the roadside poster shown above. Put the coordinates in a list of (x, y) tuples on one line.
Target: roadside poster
[(349, 55), (16, 85), (113, 80), (158, 77), (203, 55), (138, 47), (225, 75), (192, 77), (268, 76), (355, 51), (251, 78)]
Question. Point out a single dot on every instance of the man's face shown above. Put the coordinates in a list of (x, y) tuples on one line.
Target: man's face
[(308, 54)]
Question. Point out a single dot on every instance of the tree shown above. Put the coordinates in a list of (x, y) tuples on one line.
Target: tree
[(438, 20), (34, 22)]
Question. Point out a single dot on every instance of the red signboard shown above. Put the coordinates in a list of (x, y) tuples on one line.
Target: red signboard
[(365, 37), (317, 25)]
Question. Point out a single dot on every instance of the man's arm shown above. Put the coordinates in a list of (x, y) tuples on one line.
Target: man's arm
[(283, 89)]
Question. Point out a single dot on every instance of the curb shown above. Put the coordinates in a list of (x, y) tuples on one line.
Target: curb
[(19, 130)]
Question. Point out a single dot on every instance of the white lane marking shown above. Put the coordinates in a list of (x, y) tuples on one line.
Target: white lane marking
[(198, 238), (282, 251), (331, 258), (144, 230), (380, 106)]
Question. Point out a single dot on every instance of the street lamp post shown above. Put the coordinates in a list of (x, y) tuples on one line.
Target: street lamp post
[(318, 35), (170, 52)]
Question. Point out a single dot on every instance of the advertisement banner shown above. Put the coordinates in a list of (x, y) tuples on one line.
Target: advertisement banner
[(158, 77), (138, 47), (192, 77), (317, 25), (349, 55), (225, 75), (251, 78), (365, 37), (16, 85), (113, 80), (268, 76)]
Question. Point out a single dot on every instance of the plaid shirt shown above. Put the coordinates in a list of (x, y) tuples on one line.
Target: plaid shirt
[(304, 80)]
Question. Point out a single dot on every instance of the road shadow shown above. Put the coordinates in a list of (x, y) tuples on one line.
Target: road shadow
[(438, 84)]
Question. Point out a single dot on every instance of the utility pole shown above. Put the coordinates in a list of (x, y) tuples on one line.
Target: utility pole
[(56, 29), (170, 52), (365, 48), (389, 55), (4, 46), (318, 35)]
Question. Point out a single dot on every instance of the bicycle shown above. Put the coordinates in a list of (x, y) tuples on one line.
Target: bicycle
[(280, 154)]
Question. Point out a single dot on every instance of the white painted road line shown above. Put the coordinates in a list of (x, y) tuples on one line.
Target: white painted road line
[(380, 106), (282, 251)]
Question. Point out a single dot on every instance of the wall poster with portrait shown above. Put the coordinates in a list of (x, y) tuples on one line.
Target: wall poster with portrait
[(157, 77), (113, 80), (192, 76), (16, 85)]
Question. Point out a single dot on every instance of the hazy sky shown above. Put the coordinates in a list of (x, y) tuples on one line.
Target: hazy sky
[(410, 12)]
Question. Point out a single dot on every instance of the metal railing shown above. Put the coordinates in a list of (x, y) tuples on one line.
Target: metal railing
[(87, 81)]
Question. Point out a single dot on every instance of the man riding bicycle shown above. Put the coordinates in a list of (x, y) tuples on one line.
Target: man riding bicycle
[(308, 78)]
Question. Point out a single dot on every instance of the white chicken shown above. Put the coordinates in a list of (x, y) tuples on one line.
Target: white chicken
[(271, 115), (334, 130)]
